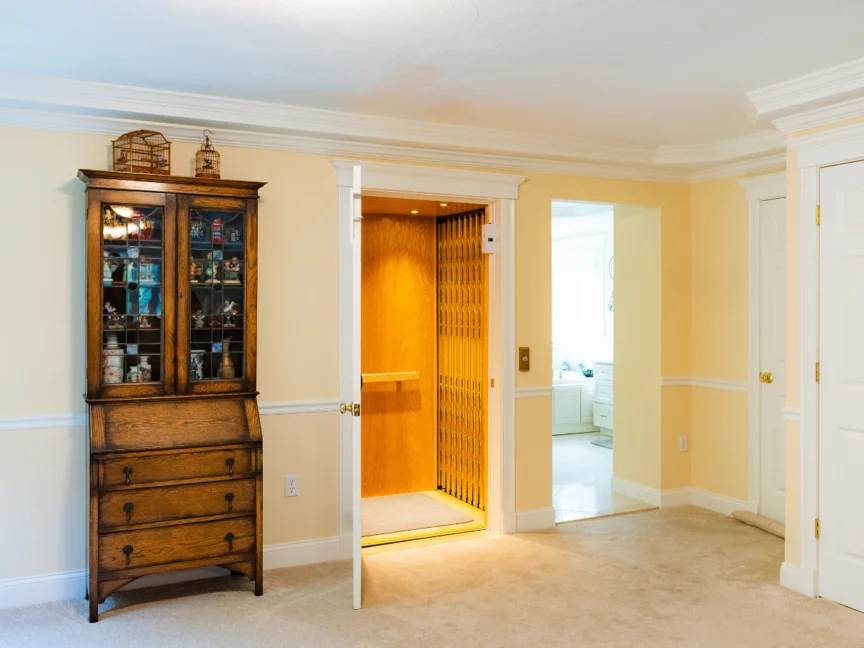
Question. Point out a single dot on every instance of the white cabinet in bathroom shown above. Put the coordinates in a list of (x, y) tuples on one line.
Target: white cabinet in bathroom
[(604, 403), (572, 408)]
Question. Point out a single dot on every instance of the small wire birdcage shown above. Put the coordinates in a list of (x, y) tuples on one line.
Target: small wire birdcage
[(142, 151), (207, 159)]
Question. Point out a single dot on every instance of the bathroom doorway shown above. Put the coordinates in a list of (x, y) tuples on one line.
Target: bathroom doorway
[(583, 398)]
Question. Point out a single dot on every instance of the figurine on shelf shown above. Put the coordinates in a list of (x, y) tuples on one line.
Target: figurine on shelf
[(115, 319), (145, 371), (229, 312), (232, 271), (132, 375), (212, 270), (196, 271), (217, 230), (147, 230), (197, 228), (199, 319), (143, 322), (112, 361), (196, 364), (234, 235), (226, 366)]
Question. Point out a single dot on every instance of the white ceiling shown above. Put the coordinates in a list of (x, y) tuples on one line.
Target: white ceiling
[(645, 72)]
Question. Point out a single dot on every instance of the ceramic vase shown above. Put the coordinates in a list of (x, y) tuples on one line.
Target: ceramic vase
[(196, 365), (112, 362), (145, 371), (226, 367)]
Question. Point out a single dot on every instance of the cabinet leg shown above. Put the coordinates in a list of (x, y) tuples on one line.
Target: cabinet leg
[(94, 609), (259, 585)]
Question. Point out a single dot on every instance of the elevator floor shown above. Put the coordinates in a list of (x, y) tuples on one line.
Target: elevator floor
[(397, 518)]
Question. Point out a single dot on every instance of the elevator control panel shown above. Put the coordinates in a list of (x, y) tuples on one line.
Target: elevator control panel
[(524, 358)]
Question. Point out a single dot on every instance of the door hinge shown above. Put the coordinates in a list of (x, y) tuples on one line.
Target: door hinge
[(493, 383), (817, 528), (818, 373), (818, 215)]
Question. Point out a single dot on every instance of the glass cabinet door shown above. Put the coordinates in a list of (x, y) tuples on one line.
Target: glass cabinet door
[(215, 298), (136, 286)]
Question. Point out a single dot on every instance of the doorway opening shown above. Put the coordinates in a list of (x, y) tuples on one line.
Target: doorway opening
[(583, 396), (424, 366)]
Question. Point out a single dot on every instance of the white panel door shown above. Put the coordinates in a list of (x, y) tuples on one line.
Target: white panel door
[(841, 389), (773, 358), (356, 463)]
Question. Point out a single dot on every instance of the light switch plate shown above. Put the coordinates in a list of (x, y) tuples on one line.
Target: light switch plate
[(524, 358)]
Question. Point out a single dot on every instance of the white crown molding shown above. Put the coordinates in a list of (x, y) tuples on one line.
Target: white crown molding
[(827, 86), (100, 108), (736, 169), (765, 187), (836, 146), (831, 114), (533, 392), (707, 383)]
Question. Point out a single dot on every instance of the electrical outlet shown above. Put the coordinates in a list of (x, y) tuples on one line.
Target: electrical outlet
[(291, 486), (682, 443)]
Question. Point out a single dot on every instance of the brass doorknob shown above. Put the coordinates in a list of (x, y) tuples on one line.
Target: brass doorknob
[(766, 377), (351, 408)]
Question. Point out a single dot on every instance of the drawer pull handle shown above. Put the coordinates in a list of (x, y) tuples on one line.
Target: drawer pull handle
[(229, 497), (128, 549), (230, 463), (128, 506), (229, 538), (128, 472)]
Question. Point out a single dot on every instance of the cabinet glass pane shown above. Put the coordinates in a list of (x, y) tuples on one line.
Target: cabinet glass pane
[(132, 294), (217, 295)]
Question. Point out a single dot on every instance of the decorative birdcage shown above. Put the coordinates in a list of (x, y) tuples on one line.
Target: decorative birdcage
[(207, 160), (142, 151)]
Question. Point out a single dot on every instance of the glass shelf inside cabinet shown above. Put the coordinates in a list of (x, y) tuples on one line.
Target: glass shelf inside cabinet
[(131, 294), (218, 292)]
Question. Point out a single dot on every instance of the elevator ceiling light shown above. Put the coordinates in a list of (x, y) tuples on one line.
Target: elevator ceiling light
[(414, 211), (443, 204)]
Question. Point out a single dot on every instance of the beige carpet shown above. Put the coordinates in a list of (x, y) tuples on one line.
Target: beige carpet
[(680, 578), (406, 512)]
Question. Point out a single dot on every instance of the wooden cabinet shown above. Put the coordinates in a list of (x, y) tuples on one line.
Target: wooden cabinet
[(175, 438)]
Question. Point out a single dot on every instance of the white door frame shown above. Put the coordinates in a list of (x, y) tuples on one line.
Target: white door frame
[(814, 151), (499, 191), (770, 186)]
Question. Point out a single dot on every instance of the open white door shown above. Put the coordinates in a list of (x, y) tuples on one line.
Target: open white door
[(354, 405), (841, 388)]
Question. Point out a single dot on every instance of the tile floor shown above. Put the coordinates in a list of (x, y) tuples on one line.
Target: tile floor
[(582, 480)]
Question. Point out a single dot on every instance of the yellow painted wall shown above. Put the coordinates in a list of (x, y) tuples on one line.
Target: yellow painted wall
[(637, 345)]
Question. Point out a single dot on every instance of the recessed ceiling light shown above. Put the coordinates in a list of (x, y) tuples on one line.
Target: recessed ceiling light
[(414, 211), (443, 204)]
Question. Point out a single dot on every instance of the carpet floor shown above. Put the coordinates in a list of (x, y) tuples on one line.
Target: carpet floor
[(665, 578)]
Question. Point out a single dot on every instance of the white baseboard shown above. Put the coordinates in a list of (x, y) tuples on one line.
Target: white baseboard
[(304, 552), (798, 579), (33, 590), (718, 503), (675, 497), (535, 519), (636, 491)]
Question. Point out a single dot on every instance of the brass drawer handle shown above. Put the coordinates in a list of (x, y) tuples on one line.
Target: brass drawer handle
[(230, 463), (128, 549), (128, 506), (128, 472), (229, 497), (229, 538)]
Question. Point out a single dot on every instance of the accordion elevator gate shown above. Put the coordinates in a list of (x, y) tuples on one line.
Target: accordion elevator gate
[(424, 359)]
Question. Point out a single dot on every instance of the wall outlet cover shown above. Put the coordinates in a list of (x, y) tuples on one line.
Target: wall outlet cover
[(682, 443), (291, 486)]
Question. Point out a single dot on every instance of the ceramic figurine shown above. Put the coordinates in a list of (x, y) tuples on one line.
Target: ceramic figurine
[(147, 230), (234, 235), (212, 270), (115, 319), (229, 312), (197, 228), (147, 273), (232, 271), (143, 322), (107, 273), (196, 365), (226, 367), (199, 318), (145, 371), (217, 230), (112, 361), (196, 271)]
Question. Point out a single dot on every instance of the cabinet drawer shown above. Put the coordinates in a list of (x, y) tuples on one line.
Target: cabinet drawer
[(602, 371), (603, 415), (603, 392), (176, 543), (143, 505), (139, 470)]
